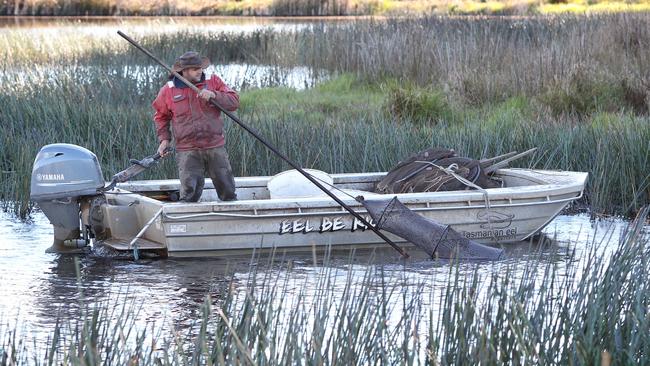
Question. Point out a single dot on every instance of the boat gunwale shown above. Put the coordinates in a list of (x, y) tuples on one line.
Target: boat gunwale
[(574, 184), (167, 215), (339, 178)]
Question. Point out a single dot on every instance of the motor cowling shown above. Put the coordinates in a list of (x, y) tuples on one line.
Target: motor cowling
[(62, 174)]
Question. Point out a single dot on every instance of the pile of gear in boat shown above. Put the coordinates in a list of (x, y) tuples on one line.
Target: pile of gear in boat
[(440, 169)]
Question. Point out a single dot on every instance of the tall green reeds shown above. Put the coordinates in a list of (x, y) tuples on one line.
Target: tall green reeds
[(581, 308), (116, 125), (577, 87)]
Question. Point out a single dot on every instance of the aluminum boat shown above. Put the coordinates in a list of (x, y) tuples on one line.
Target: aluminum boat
[(139, 215)]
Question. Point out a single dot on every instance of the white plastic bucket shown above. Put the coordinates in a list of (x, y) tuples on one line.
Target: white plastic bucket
[(292, 184)]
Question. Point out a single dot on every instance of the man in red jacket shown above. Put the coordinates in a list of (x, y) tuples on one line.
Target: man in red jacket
[(197, 128)]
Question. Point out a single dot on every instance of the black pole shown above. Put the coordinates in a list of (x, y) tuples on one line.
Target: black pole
[(269, 146)]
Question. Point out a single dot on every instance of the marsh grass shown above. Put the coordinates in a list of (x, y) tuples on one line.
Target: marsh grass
[(569, 308), (343, 122), (314, 8), (405, 101), (576, 87), (601, 58), (482, 61)]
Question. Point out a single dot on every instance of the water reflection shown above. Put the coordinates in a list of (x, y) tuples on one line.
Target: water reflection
[(237, 76), (39, 287), (106, 25)]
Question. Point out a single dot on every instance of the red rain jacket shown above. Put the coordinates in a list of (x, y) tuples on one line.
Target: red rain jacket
[(196, 124)]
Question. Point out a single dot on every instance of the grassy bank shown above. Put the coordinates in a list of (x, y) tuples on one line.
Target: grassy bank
[(313, 8), (585, 309), (576, 87)]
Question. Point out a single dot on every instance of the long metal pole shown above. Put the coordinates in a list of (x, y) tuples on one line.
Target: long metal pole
[(269, 146)]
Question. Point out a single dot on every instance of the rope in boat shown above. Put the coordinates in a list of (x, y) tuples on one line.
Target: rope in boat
[(133, 243), (450, 170)]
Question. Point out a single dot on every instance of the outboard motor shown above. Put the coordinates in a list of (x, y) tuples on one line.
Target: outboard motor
[(61, 176)]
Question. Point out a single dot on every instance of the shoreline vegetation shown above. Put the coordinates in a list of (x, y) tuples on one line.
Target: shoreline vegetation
[(576, 87), (313, 7), (557, 307)]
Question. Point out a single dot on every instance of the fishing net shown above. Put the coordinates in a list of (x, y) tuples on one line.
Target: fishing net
[(434, 170), (438, 241)]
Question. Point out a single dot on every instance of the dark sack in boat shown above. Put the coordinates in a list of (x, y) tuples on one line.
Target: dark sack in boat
[(430, 171)]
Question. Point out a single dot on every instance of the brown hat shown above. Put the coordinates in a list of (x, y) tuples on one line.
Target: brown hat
[(190, 59)]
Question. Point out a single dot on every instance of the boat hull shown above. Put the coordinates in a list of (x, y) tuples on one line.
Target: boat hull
[(493, 216)]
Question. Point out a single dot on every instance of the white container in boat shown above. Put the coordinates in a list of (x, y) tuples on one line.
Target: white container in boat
[(292, 184)]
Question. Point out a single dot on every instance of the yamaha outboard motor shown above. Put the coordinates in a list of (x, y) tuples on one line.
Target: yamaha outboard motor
[(61, 176)]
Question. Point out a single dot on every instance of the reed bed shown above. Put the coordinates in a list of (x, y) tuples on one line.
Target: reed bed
[(116, 126), (595, 58), (577, 87), (580, 308), (570, 64), (310, 7)]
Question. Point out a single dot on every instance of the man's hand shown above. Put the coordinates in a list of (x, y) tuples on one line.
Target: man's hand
[(206, 95), (162, 147)]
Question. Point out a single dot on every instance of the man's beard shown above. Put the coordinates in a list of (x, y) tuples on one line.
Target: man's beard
[(191, 79)]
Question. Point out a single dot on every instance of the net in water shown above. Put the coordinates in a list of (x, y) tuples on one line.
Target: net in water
[(438, 241)]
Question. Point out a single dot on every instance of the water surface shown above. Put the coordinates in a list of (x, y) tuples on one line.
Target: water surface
[(37, 287)]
